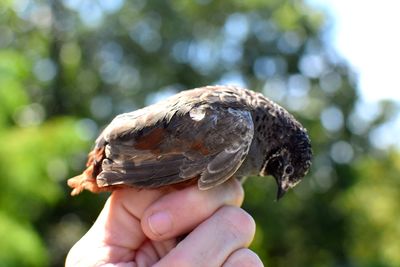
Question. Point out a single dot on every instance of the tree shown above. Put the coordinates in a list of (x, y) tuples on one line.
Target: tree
[(67, 67)]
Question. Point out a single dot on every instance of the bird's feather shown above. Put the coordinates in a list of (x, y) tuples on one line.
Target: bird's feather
[(209, 141)]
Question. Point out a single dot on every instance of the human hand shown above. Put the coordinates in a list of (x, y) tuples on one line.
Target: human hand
[(142, 228)]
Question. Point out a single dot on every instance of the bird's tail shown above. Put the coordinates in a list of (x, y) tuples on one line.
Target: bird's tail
[(87, 180)]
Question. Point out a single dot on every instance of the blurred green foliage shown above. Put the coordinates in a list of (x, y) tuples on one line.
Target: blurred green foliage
[(67, 67)]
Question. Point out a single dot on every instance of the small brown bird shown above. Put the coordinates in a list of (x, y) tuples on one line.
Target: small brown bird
[(208, 134)]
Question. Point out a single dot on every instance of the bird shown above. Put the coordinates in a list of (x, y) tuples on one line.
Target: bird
[(205, 135)]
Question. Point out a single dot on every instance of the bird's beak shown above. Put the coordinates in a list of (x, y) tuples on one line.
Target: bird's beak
[(282, 187)]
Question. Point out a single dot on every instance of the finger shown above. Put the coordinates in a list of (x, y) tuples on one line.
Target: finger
[(180, 211), (119, 222), (211, 243), (117, 231), (243, 257)]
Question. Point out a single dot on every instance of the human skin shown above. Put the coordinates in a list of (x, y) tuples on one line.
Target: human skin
[(139, 228)]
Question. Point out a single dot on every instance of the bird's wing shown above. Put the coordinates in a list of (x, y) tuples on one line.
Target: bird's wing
[(209, 142)]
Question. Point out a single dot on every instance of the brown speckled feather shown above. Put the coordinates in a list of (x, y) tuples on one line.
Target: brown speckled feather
[(209, 133)]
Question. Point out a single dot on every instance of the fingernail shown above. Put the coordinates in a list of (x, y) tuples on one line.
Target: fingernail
[(160, 223)]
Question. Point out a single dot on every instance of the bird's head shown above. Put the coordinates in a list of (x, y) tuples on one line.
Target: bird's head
[(289, 163)]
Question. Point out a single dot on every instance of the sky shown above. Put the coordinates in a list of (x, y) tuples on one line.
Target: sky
[(367, 35)]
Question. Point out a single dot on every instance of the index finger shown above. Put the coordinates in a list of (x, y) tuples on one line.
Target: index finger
[(178, 212)]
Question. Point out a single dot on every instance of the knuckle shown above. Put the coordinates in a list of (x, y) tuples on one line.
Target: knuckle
[(239, 222)]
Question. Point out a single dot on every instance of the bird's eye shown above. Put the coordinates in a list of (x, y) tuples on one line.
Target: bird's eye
[(289, 170)]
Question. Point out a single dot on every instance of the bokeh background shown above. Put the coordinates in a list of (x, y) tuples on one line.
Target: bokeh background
[(67, 67)]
